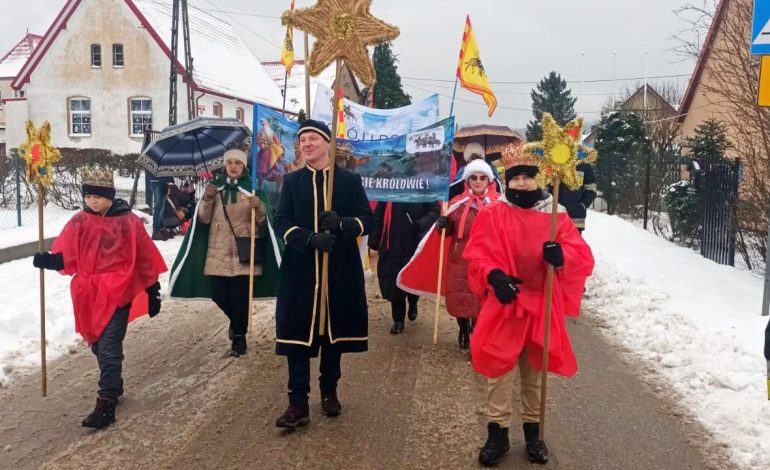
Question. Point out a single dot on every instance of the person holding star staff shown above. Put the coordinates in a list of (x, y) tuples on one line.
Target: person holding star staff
[(528, 262)]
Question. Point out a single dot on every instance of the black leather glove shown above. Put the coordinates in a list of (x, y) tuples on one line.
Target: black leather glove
[(444, 223), (329, 221), (553, 255), (153, 299), (504, 286), (53, 261), (322, 241)]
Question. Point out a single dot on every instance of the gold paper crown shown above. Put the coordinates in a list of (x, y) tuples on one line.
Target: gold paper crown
[(514, 155), (95, 175)]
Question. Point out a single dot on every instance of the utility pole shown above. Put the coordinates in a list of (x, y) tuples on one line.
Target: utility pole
[(648, 150), (188, 63), (766, 294)]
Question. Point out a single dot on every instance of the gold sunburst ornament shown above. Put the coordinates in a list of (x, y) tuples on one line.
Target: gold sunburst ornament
[(343, 29), (559, 153), (39, 154)]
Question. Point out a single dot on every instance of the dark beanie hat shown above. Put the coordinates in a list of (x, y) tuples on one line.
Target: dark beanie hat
[(529, 170), (102, 191), (318, 127)]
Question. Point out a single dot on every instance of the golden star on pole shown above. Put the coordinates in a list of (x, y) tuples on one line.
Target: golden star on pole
[(39, 154), (343, 29), (559, 153)]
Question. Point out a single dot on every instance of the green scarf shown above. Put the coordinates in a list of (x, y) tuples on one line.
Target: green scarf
[(230, 189)]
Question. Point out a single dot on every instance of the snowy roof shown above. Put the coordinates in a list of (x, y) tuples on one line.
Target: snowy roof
[(12, 62), (221, 60), (295, 97)]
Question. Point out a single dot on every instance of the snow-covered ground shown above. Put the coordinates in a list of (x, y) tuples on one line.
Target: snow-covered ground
[(20, 312), (696, 323)]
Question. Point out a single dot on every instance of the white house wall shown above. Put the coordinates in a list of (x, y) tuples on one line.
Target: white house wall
[(65, 71)]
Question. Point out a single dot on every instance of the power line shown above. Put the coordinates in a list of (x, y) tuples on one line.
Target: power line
[(629, 79), (243, 25), (497, 92)]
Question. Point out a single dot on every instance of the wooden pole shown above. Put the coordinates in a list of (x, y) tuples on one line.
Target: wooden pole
[(440, 276), (307, 77), (548, 305), (328, 202), (41, 249), (251, 266)]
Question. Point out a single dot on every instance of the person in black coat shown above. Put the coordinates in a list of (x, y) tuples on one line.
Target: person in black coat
[(308, 232), (399, 227), (577, 202)]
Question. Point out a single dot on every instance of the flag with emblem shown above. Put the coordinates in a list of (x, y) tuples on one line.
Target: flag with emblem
[(470, 70), (287, 52)]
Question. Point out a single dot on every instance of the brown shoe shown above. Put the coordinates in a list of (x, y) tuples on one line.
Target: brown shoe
[(294, 416), (159, 236), (330, 404)]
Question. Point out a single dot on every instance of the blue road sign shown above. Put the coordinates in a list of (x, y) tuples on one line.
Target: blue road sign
[(760, 29)]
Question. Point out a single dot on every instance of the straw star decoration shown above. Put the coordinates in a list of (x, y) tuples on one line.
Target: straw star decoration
[(559, 153), (343, 29), (39, 154)]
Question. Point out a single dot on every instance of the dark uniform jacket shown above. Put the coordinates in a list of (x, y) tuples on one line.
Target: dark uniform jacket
[(398, 242), (297, 308), (577, 202)]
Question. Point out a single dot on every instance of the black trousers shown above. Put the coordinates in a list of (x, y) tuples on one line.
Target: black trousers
[(398, 304), (299, 373), (108, 350), (231, 294)]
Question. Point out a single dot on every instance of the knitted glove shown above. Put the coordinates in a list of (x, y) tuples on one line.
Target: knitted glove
[(444, 223), (153, 296), (553, 254), (329, 221), (322, 241), (504, 286), (52, 261)]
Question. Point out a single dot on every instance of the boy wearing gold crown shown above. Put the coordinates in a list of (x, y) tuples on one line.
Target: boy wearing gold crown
[(114, 267), (508, 254)]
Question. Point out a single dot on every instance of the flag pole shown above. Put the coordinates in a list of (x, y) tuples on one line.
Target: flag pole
[(307, 78), (328, 204), (452, 105), (548, 308), (285, 90), (41, 249)]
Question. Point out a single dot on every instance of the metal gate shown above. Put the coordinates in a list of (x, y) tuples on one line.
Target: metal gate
[(718, 190)]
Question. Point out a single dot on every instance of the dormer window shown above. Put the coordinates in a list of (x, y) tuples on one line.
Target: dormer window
[(117, 55), (96, 56)]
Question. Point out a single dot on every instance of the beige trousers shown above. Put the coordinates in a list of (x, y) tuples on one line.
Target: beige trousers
[(500, 395)]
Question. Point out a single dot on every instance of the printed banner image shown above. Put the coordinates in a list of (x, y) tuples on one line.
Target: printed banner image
[(275, 144), (407, 168), (364, 123)]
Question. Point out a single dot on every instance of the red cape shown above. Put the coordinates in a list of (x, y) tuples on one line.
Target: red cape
[(420, 275), (112, 260), (511, 239)]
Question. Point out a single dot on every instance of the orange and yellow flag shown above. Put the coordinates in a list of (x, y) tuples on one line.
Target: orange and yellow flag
[(287, 52), (470, 70), (342, 131)]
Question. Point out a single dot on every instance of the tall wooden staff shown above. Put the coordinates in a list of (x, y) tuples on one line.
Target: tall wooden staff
[(444, 207), (558, 154), (343, 30), (40, 156)]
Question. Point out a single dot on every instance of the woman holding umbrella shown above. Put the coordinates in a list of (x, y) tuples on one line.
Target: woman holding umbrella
[(227, 210)]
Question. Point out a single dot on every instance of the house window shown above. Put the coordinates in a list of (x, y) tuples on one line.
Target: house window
[(239, 114), (80, 116), (216, 109), (96, 55), (117, 55), (140, 115)]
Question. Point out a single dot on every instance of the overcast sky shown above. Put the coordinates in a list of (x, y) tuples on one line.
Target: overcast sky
[(519, 41)]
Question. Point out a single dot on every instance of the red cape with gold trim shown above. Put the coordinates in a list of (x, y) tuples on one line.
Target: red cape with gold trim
[(509, 238), (112, 261)]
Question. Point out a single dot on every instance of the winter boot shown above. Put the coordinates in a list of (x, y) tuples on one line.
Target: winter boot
[(159, 236), (330, 404), (496, 445), (537, 452), (238, 347), (411, 314), (464, 337), (398, 327), (294, 416), (102, 416)]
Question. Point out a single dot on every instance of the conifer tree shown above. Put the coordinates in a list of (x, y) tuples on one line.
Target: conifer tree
[(551, 96), (388, 91)]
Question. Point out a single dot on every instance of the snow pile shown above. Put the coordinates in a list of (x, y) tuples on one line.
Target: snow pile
[(20, 313), (695, 322)]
